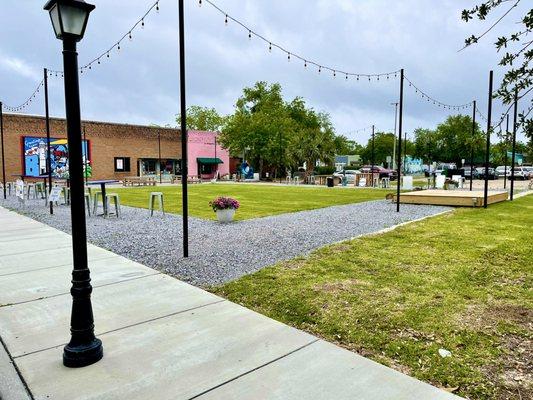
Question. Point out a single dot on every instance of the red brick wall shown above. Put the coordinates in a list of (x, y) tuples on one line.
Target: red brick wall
[(106, 141)]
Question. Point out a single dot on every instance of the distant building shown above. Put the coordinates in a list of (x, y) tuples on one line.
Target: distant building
[(343, 162), (110, 150)]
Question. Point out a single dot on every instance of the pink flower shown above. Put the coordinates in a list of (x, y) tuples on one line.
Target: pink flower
[(224, 203)]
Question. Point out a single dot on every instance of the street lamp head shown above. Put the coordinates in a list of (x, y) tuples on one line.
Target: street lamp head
[(69, 18)]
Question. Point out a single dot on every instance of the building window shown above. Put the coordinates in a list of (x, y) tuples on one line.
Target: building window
[(122, 164)]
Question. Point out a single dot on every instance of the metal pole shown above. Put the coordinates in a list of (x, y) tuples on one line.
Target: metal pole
[(84, 348), (48, 140), (373, 156), (216, 170), (280, 157), (505, 153), (405, 153), (84, 144), (400, 122), (184, 161), (472, 145), (395, 125), (159, 154), (515, 114), (3, 151), (487, 150)]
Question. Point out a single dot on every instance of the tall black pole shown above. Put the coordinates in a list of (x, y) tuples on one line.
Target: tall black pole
[(216, 171), (487, 150), (48, 151), (472, 145), (84, 348), (183, 104), (505, 153), (280, 156), (513, 156), (404, 153), (84, 146), (373, 155), (400, 122), (159, 154), (3, 152)]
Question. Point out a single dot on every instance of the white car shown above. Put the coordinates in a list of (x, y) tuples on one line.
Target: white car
[(521, 173), (349, 174), (529, 171)]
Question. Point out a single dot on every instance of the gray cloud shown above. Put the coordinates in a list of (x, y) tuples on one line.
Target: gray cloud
[(140, 85)]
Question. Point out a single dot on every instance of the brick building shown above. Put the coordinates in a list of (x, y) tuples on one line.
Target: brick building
[(111, 150)]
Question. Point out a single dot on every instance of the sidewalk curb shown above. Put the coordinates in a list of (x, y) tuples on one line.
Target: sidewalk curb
[(12, 387)]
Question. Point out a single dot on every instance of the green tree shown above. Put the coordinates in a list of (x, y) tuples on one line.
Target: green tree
[(516, 59), (203, 119), (260, 125), (453, 140), (383, 147)]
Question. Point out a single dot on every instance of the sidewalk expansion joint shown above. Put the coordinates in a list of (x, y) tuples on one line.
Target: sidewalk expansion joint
[(57, 266), (68, 293), (253, 370), (128, 326), (22, 380)]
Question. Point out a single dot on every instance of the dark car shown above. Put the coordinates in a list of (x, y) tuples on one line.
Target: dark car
[(466, 172), (492, 173), (383, 172)]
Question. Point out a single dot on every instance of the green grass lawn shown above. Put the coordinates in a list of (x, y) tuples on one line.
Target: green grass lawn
[(461, 282), (256, 200)]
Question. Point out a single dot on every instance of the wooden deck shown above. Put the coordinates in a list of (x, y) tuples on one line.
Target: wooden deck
[(454, 198)]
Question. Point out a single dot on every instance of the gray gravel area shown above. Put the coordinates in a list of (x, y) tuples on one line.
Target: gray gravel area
[(223, 252)]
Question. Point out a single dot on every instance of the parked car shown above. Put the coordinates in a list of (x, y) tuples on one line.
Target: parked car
[(481, 173), (349, 174), (529, 171), (383, 172), (503, 170), (520, 173), (466, 172)]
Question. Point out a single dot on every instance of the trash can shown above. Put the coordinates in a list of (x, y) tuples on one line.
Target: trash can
[(329, 181)]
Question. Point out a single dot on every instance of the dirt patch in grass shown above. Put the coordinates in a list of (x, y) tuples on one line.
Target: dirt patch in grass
[(340, 286)]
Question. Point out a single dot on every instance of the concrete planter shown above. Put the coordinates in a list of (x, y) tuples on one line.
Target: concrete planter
[(225, 216)]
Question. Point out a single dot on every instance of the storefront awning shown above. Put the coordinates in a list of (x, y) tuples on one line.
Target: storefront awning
[(209, 161)]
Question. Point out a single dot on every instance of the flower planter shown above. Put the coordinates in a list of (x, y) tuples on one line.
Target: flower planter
[(226, 215)]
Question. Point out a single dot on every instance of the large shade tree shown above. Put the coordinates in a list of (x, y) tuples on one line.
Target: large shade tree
[(203, 119)]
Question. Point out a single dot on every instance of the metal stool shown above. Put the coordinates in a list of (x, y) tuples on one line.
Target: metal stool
[(116, 200), (96, 194), (159, 197), (88, 202), (29, 187), (10, 186), (66, 194), (385, 183), (39, 190)]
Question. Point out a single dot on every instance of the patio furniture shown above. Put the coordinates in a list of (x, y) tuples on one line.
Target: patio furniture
[(439, 181), (29, 188), (66, 195), (385, 183), (102, 193), (153, 197), (10, 186), (407, 183), (288, 180), (96, 195), (311, 180), (116, 200), (40, 189), (88, 202)]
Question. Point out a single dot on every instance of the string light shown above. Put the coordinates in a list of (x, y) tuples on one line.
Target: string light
[(26, 103), (436, 102), (289, 57), (130, 37), (290, 54), (226, 21)]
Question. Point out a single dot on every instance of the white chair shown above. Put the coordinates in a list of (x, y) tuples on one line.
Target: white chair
[(407, 183), (459, 179), (362, 182), (385, 183)]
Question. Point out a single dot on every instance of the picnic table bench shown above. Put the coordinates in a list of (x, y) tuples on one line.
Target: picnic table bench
[(139, 181)]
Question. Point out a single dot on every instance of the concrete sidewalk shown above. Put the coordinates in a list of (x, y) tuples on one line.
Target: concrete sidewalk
[(163, 339)]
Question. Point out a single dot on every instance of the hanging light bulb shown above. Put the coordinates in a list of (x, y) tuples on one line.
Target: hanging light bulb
[(346, 76), (249, 34), (378, 77), (98, 61), (142, 23), (199, 3), (357, 77), (129, 36), (334, 73), (226, 20), (157, 7), (289, 57), (319, 69), (270, 47), (305, 63), (118, 47), (108, 54)]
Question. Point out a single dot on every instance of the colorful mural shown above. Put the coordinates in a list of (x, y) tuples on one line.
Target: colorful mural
[(35, 149)]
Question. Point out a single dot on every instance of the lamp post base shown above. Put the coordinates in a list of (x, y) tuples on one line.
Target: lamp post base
[(83, 355)]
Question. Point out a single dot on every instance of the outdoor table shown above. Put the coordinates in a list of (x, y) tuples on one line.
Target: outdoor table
[(322, 179), (102, 184)]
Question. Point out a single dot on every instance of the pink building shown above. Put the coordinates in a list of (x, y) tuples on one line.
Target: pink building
[(206, 156)]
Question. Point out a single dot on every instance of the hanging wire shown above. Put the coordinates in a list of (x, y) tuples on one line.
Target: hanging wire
[(436, 102), (306, 61), (355, 132), (28, 101), (117, 46)]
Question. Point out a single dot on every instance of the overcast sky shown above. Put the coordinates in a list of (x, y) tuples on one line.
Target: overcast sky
[(140, 83)]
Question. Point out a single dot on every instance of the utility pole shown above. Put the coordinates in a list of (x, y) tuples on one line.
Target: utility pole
[(472, 145), (400, 121), (487, 150), (373, 156), (513, 156)]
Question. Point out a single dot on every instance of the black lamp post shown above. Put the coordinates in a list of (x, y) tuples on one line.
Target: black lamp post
[(69, 19)]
